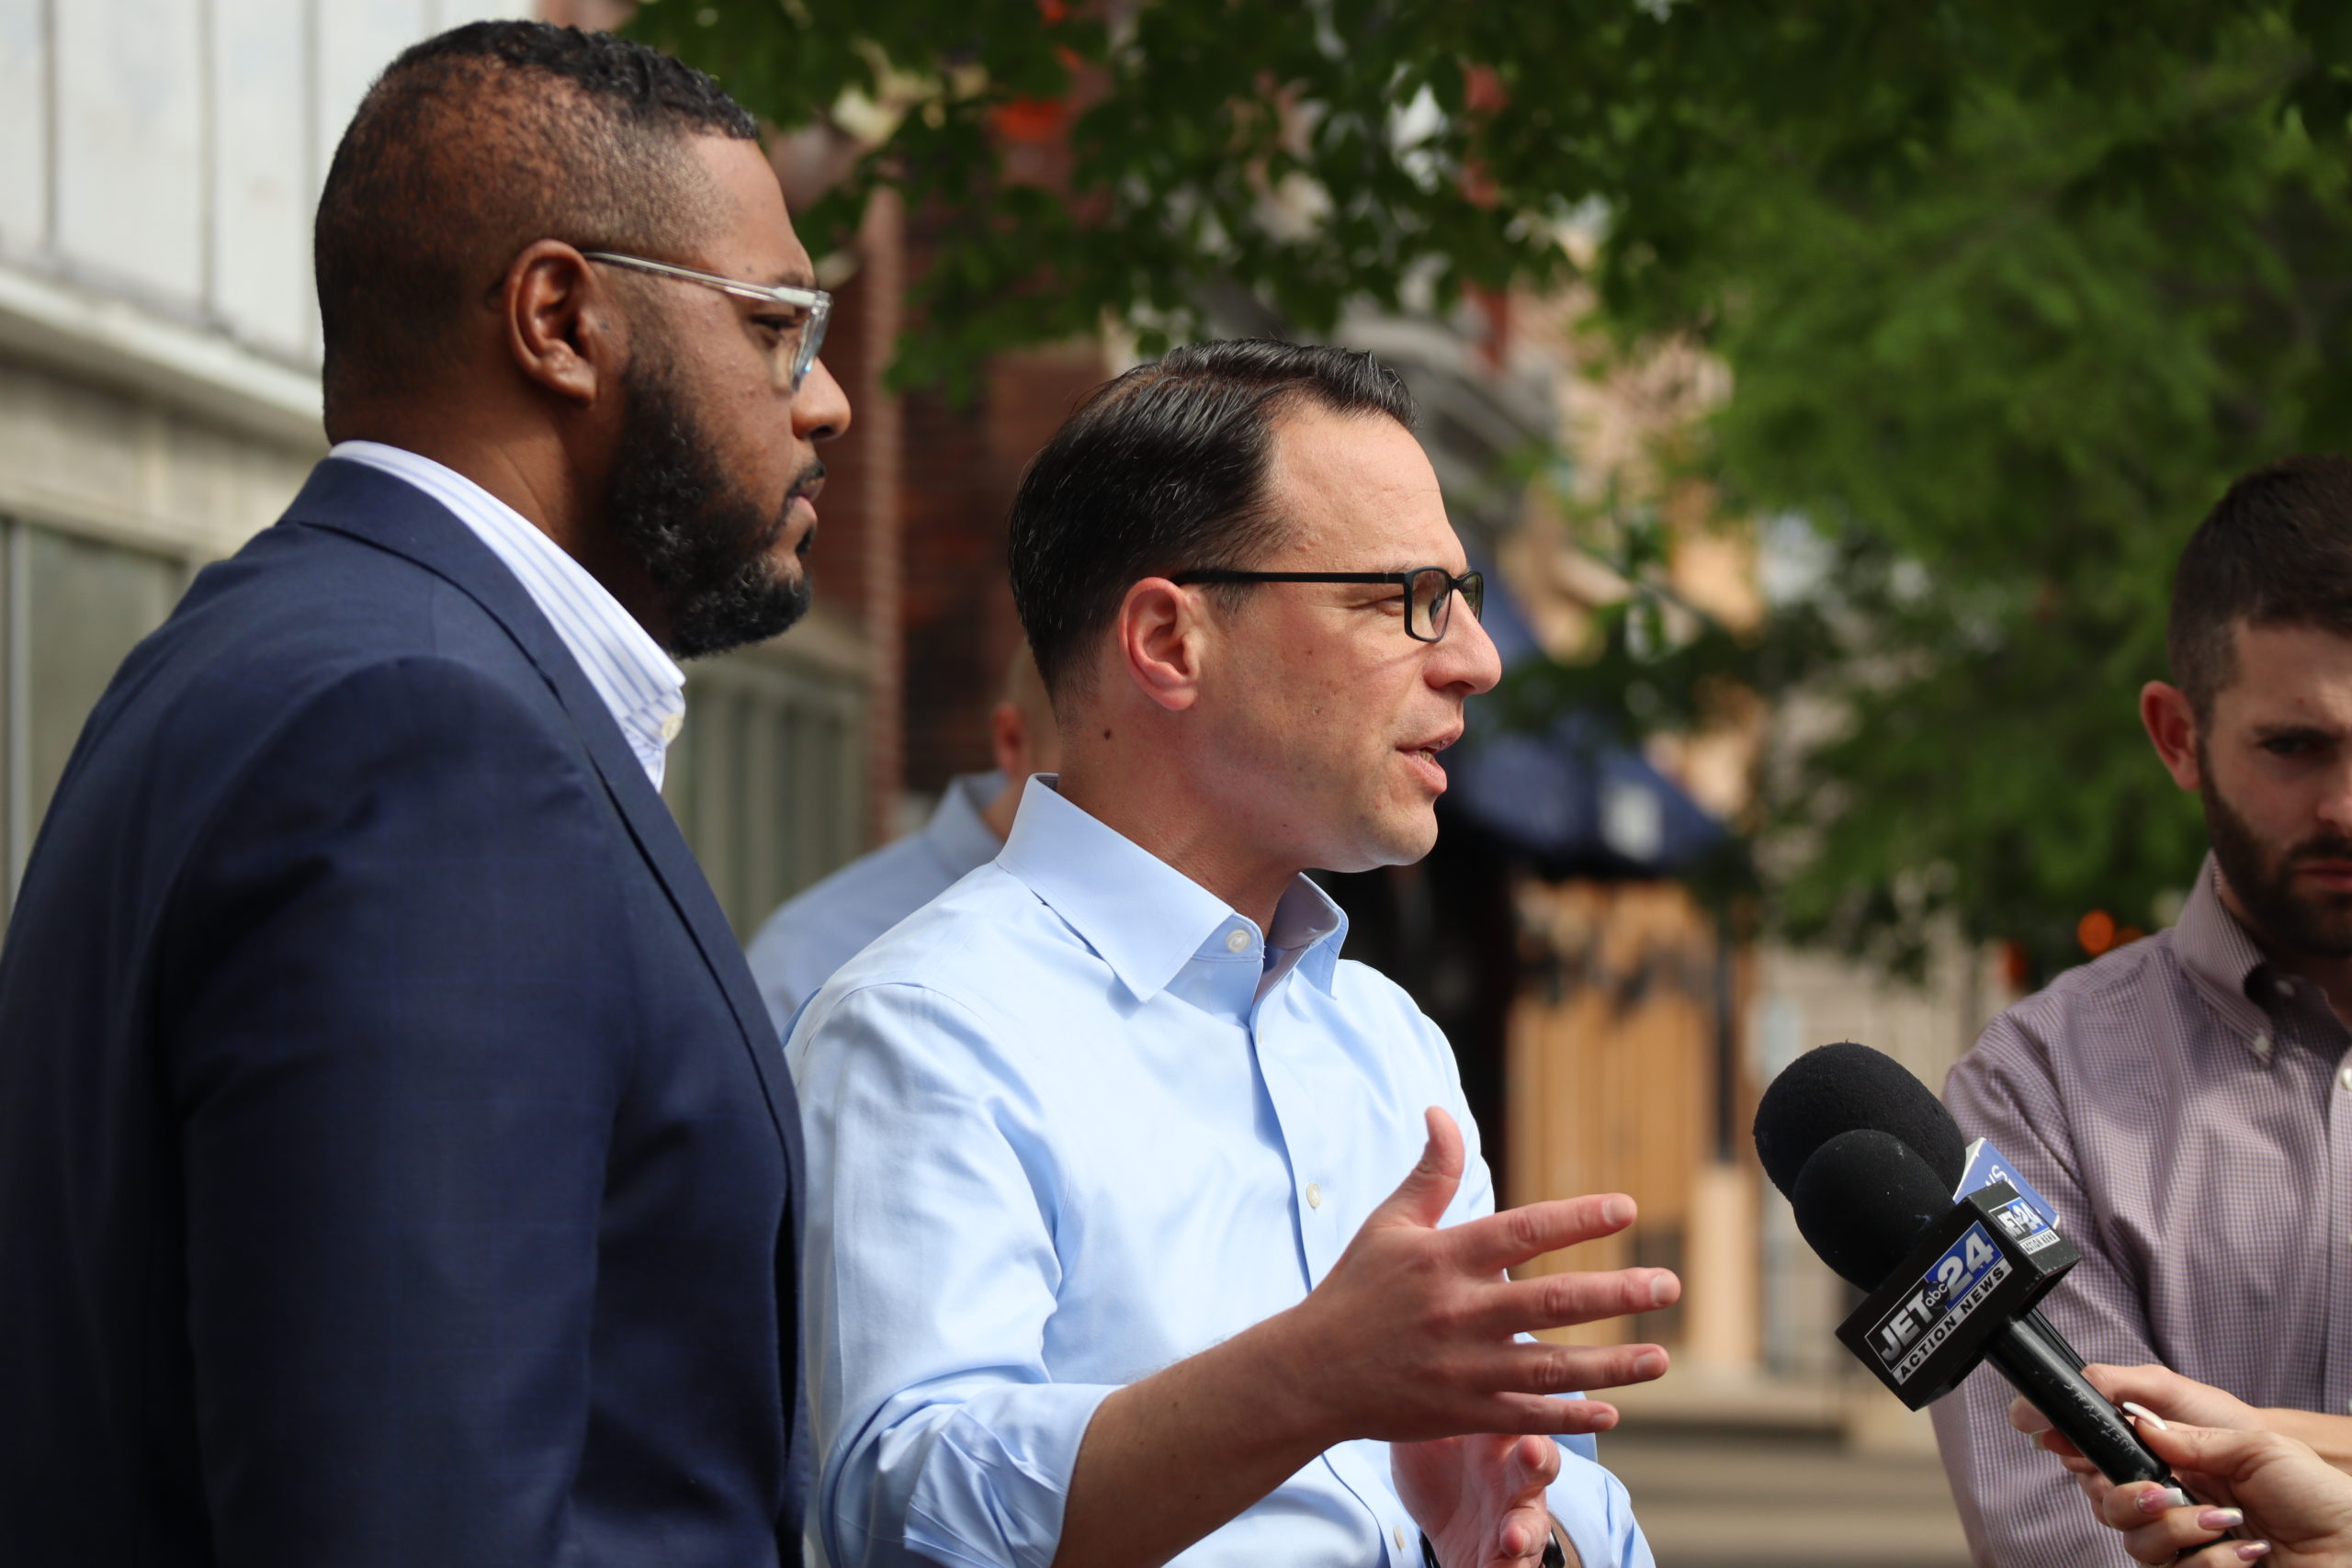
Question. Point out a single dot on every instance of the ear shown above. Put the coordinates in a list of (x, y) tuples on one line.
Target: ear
[(561, 328), (1009, 741), (2171, 723), (1161, 633)]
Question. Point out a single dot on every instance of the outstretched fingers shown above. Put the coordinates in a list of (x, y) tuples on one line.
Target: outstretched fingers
[(1557, 1301), (1538, 1367), (1507, 1239)]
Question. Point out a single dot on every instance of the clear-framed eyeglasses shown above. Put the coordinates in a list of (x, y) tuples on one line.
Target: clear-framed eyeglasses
[(1430, 591), (800, 328)]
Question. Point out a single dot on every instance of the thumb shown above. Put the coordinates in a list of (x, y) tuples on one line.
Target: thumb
[(2214, 1450), (1421, 1199), (1535, 1465)]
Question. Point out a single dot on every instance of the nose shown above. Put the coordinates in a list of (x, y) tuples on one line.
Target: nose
[(1465, 659), (820, 409), (2335, 805)]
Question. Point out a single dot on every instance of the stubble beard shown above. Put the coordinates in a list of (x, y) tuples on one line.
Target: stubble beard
[(704, 542), (2317, 924)]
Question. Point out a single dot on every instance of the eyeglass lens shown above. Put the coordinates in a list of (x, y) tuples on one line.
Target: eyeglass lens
[(796, 348), (1431, 605), (1430, 600)]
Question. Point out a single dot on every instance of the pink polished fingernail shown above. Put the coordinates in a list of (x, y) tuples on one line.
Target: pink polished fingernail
[(2141, 1412), (2220, 1519), (2254, 1549), (2157, 1499)]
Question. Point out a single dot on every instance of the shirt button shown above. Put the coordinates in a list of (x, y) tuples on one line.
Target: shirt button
[(2345, 1077), (1398, 1531), (1236, 940), (671, 725), (1314, 1195), (2261, 1043)]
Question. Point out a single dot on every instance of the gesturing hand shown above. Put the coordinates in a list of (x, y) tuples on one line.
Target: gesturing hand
[(1412, 1335), (1479, 1499)]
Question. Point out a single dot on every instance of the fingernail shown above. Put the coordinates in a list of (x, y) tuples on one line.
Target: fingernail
[(2220, 1519), (2141, 1412), (1661, 1289), (2252, 1550), (1617, 1211), (1650, 1366), (2157, 1499)]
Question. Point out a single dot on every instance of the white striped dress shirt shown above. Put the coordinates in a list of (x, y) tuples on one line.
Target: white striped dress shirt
[(640, 684)]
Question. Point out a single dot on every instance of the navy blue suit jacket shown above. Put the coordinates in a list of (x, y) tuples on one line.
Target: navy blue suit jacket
[(396, 1161)]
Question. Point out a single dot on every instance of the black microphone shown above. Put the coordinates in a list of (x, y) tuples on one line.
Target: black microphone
[(1949, 1285), (1845, 1088), (1838, 1088)]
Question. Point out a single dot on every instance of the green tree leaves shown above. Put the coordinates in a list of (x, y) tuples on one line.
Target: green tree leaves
[(2010, 292)]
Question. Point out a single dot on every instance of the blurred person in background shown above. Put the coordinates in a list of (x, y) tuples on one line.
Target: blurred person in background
[(823, 927), (1105, 1143), (2185, 1102), (396, 1164)]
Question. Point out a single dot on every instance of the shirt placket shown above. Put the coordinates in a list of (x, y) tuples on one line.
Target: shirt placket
[(1321, 1238), (2337, 1377)]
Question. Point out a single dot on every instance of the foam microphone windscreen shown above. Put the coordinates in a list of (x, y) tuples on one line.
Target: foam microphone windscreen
[(1842, 1089), (1862, 1202)]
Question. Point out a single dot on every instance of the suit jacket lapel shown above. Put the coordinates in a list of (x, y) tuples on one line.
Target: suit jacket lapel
[(381, 510)]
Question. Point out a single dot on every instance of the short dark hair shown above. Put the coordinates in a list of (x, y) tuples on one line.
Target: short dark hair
[(478, 142), (2276, 550), (1163, 470)]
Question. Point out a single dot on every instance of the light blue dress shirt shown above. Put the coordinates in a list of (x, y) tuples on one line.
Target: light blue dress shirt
[(1074, 1121), (641, 686), (822, 927)]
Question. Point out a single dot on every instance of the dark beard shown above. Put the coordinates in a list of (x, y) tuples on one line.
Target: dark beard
[(704, 544), (2318, 925)]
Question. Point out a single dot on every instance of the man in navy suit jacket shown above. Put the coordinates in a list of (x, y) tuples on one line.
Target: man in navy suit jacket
[(396, 1162)]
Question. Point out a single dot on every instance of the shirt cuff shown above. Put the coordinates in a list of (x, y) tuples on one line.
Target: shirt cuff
[(986, 1480)]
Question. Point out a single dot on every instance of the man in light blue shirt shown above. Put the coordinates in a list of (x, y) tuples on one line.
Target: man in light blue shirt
[(822, 927), (1108, 1257)]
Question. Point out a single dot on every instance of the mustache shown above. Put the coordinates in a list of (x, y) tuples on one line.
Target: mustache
[(2328, 847), (806, 483)]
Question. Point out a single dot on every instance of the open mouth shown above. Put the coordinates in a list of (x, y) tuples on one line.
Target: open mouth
[(1424, 756)]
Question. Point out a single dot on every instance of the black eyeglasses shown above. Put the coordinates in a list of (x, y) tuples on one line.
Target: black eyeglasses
[(1430, 591)]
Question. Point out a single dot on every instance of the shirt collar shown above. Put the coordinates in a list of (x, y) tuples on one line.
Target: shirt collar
[(641, 686), (2223, 959), (1146, 919)]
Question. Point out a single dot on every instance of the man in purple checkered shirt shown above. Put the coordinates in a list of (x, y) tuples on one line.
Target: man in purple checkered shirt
[(2179, 1100)]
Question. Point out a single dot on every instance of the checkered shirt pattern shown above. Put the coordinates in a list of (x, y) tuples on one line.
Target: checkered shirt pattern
[(2188, 1112)]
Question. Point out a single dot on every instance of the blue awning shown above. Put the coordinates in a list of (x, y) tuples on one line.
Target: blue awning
[(1571, 797)]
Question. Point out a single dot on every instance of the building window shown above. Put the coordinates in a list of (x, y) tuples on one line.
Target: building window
[(72, 608), (765, 778)]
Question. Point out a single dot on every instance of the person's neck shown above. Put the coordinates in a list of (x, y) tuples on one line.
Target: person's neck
[(1160, 809), (2332, 976), (531, 471), (998, 814)]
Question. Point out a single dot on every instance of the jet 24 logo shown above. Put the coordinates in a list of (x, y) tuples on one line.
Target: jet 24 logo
[(1968, 1272)]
